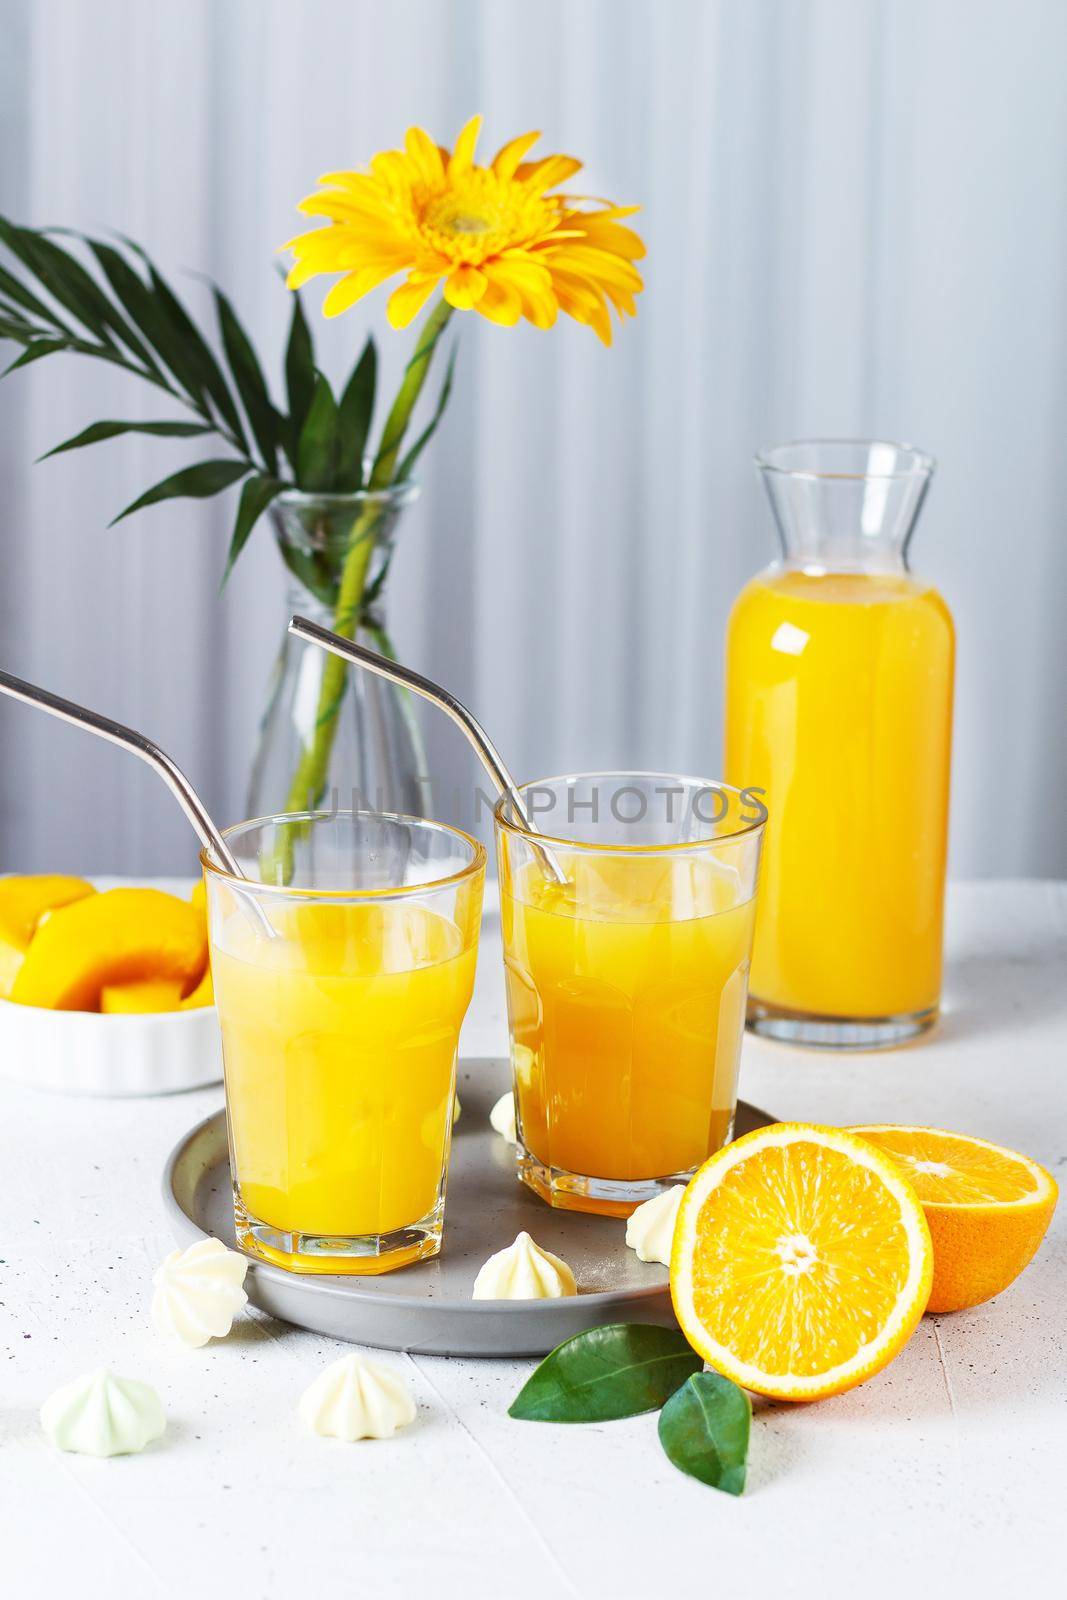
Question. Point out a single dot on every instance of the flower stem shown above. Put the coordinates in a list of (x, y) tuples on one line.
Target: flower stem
[(414, 377), (309, 779)]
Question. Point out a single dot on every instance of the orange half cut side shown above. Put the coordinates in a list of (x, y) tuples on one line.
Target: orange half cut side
[(802, 1261)]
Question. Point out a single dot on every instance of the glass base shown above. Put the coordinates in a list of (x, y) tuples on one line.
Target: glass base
[(604, 1197), (354, 1255), (817, 1032)]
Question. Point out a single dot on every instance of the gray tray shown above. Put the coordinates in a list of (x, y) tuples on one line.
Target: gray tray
[(427, 1308)]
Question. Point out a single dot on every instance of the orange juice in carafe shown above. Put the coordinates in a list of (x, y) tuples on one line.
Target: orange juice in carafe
[(839, 672)]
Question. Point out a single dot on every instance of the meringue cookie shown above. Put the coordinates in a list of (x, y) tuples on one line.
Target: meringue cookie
[(502, 1118), (356, 1399), (101, 1415), (198, 1292), (650, 1229), (524, 1272)]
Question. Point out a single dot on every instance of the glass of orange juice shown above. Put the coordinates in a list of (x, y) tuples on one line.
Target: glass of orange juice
[(340, 994), (626, 982)]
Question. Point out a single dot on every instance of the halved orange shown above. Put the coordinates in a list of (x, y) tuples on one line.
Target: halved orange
[(802, 1261), (987, 1208)]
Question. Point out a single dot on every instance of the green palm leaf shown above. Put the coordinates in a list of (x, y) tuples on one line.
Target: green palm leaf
[(249, 380), (99, 431), (195, 483), (317, 450)]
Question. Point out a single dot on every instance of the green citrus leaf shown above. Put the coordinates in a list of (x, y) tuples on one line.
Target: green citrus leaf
[(354, 418), (317, 450), (99, 431), (605, 1373), (704, 1430), (196, 483)]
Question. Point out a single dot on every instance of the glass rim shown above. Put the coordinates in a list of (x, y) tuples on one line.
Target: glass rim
[(921, 464), (676, 847), (394, 494), (477, 863)]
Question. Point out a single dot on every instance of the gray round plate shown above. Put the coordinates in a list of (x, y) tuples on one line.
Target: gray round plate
[(427, 1308)]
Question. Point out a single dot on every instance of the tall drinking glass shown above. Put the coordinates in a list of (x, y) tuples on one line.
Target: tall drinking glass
[(340, 995), (626, 983)]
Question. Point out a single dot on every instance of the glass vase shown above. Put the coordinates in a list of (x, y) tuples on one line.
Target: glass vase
[(334, 737), (839, 675)]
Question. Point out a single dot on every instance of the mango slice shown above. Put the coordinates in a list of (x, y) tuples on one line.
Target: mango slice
[(202, 995), (122, 936), (23, 902), (149, 994)]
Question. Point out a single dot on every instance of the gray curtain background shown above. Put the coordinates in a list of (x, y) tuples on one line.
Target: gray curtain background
[(856, 224)]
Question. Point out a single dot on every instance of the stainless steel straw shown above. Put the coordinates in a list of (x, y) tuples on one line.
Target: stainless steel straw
[(172, 775), (445, 701)]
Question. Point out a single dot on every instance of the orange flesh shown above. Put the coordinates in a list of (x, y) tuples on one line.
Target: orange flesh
[(800, 1260)]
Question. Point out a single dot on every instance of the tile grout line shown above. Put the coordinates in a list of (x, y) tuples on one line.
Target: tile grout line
[(553, 1558)]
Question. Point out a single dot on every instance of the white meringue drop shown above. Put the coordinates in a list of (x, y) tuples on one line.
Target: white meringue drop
[(524, 1272), (198, 1292), (502, 1118), (356, 1399), (650, 1229), (101, 1415)]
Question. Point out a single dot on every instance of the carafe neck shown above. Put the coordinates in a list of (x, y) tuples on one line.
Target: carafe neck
[(845, 505)]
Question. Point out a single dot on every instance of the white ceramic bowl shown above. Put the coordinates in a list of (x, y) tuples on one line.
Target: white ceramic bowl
[(88, 1053)]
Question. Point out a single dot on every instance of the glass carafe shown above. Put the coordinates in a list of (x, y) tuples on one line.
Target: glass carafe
[(839, 675)]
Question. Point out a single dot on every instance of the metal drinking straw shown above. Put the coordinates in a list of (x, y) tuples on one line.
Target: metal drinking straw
[(360, 656), (172, 775)]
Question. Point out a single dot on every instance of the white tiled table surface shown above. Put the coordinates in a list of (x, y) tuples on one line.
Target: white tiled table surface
[(944, 1475)]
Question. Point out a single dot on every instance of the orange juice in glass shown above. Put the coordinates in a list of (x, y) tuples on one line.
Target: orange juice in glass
[(839, 674), (626, 982), (340, 997)]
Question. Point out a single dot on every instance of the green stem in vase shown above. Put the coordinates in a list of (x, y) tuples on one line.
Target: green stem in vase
[(309, 779)]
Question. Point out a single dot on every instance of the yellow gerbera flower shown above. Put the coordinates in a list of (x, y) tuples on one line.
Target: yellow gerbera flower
[(497, 239)]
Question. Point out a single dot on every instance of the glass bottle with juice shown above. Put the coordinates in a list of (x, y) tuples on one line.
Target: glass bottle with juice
[(839, 681)]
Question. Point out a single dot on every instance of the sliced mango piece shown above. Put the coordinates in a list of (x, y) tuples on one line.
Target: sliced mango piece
[(147, 994), (23, 902), (122, 936), (202, 995), (198, 898)]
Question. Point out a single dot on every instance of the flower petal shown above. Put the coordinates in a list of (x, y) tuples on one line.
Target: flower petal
[(407, 301), (425, 155), (355, 285), (464, 287), (538, 176), (509, 155), (530, 281), (462, 157), (501, 304)]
